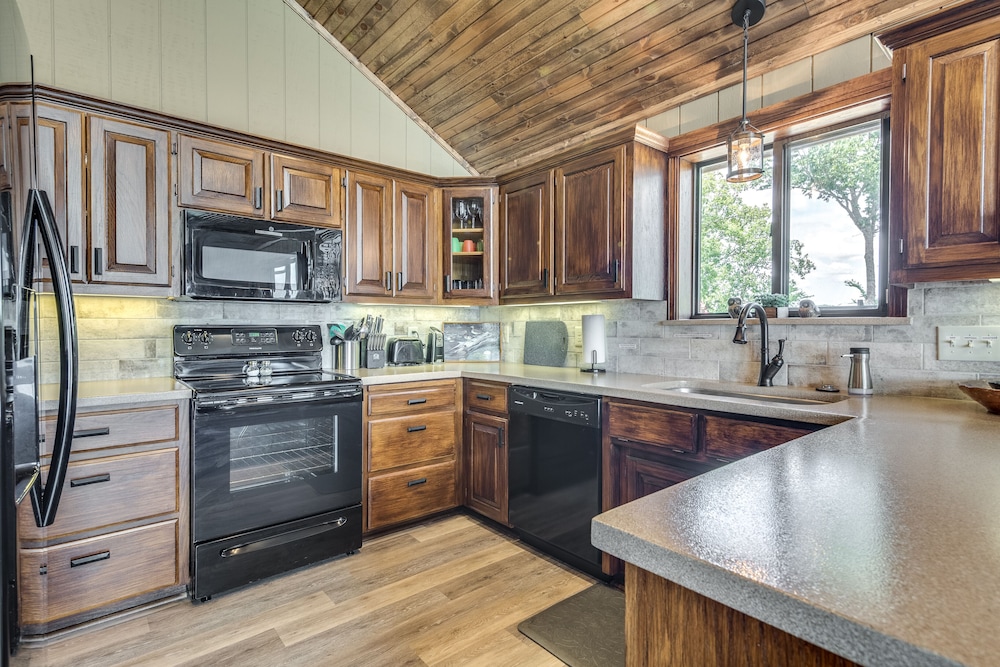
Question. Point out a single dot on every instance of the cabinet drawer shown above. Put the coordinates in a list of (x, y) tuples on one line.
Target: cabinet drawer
[(408, 440), (75, 577), (98, 430), (415, 398), (731, 439), (658, 426), (107, 491), (486, 396), (410, 494)]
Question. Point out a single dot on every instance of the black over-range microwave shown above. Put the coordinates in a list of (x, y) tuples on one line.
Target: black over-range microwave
[(229, 257)]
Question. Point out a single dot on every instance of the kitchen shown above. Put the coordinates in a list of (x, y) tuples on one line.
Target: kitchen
[(131, 337)]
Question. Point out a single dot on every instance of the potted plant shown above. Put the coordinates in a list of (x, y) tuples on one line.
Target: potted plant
[(775, 305)]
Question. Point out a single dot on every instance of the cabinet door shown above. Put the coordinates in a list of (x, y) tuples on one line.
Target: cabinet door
[(526, 237), (305, 191), (414, 241), (643, 473), (951, 101), (221, 177), (368, 235), (468, 272), (590, 224), (60, 174), (486, 465), (130, 223)]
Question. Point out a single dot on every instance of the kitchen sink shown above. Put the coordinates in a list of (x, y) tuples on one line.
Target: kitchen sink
[(779, 395)]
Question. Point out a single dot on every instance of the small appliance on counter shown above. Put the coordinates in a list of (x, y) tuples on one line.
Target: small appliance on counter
[(435, 346), (405, 352)]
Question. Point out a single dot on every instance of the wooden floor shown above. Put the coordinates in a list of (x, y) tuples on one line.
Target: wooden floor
[(449, 592)]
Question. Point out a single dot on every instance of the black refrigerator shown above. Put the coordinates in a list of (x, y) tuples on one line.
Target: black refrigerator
[(20, 463)]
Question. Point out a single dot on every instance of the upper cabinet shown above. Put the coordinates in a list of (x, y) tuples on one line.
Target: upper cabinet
[(945, 171), (467, 245), (592, 227), (129, 205), (230, 178), (388, 239)]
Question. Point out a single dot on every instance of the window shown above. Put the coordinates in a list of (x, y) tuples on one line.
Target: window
[(813, 227)]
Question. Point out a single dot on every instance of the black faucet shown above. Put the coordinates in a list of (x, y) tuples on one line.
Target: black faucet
[(768, 369)]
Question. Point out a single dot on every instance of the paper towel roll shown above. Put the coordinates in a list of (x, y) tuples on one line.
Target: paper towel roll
[(593, 339)]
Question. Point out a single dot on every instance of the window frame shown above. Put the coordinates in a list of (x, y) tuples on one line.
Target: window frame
[(844, 104)]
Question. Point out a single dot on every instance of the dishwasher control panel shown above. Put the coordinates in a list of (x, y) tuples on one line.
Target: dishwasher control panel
[(558, 405)]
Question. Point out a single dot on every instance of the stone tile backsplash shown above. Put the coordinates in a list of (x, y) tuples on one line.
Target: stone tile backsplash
[(131, 337)]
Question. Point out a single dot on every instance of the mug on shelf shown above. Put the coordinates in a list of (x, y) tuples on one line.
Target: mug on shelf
[(456, 244), (469, 246)]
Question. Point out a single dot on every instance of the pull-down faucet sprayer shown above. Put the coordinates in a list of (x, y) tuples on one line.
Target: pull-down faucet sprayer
[(768, 369)]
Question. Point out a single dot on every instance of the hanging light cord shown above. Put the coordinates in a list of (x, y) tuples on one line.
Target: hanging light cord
[(746, 39)]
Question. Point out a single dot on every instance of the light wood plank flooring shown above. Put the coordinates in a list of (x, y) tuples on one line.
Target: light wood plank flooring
[(448, 592)]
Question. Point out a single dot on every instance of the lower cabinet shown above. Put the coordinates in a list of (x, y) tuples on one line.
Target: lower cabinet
[(120, 538), (486, 448), (411, 463)]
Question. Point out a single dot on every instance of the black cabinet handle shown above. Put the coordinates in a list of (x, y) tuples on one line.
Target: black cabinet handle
[(98, 261), (484, 397), (93, 479), (416, 401), (500, 437), (388, 281), (91, 432), (74, 259), (279, 200), (545, 278), (399, 281), (617, 269), (447, 282), (417, 482), (414, 429), (93, 558), (258, 198)]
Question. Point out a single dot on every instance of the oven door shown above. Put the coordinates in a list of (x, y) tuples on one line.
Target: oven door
[(275, 458)]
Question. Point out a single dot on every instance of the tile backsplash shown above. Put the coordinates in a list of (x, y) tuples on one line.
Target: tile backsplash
[(131, 337)]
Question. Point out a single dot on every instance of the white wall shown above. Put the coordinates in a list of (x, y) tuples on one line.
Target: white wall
[(249, 65)]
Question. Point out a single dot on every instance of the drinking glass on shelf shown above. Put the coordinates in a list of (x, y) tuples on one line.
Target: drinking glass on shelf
[(476, 213), (462, 212)]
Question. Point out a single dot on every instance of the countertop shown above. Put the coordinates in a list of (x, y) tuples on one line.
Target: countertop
[(877, 538)]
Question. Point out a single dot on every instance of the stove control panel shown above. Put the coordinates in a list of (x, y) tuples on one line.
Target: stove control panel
[(192, 341)]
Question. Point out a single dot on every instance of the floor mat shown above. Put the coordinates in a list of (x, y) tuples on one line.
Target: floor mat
[(585, 630)]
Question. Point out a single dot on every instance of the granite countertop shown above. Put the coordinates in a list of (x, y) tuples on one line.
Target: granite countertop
[(877, 538)]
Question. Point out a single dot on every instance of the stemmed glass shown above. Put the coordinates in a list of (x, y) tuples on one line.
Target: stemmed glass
[(476, 213), (462, 212)]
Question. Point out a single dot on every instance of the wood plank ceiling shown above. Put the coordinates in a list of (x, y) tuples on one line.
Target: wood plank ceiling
[(506, 82)]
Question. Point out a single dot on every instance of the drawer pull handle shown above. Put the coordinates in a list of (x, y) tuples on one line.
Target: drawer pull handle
[(678, 451), (500, 437), (283, 538), (91, 432), (416, 401), (417, 482), (484, 397), (94, 479), (92, 558), (414, 429)]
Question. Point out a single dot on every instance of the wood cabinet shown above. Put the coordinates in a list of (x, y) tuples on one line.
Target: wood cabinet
[(570, 232), (389, 240), (248, 181), (649, 447), (120, 538), (411, 464), (468, 269), (945, 171), (60, 174), (6, 163), (486, 487), (129, 205)]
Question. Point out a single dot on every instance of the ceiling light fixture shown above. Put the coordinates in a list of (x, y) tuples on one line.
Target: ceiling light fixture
[(746, 143)]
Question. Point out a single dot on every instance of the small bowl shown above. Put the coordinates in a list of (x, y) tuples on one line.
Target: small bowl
[(985, 396)]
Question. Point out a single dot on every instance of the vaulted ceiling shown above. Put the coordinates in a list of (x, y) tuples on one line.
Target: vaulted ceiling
[(506, 81)]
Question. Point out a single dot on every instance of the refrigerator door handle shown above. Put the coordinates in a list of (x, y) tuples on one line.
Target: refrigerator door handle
[(39, 217)]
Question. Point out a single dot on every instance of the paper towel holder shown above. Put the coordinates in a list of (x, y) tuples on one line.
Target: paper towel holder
[(594, 347)]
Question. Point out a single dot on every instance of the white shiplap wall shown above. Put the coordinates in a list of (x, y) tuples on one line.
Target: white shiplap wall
[(250, 65)]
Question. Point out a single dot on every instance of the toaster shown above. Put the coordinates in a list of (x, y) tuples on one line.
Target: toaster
[(405, 351)]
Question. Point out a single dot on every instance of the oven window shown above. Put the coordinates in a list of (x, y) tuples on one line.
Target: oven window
[(272, 267), (277, 453)]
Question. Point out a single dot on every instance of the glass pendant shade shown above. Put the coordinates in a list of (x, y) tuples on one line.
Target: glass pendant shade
[(746, 154)]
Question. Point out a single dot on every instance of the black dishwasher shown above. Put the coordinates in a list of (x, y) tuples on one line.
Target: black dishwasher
[(554, 468)]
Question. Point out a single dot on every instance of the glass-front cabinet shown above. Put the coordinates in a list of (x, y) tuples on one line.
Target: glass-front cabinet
[(468, 245)]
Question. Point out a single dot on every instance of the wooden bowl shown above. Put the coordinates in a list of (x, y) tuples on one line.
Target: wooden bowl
[(985, 396)]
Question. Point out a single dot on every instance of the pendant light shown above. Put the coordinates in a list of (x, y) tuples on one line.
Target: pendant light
[(746, 143)]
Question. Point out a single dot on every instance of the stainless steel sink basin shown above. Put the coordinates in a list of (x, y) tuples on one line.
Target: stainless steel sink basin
[(779, 395)]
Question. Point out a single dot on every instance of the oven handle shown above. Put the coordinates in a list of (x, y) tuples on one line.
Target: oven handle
[(229, 404), (284, 538)]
